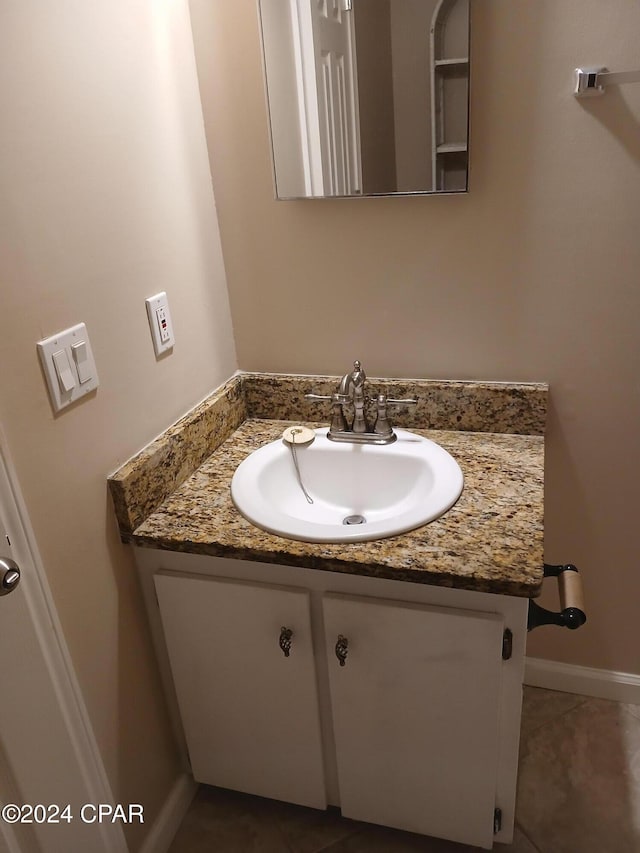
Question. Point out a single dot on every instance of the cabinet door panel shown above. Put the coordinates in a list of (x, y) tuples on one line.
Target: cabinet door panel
[(415, 713), (250, 714)]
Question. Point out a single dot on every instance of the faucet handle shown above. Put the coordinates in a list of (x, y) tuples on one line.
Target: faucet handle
[(327, 398), (382, 425), (338, 420), (410, 401), (318, 398)]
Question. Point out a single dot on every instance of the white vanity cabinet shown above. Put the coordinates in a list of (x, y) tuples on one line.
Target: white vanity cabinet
[(418, 729), (415, 712), (250, 714)]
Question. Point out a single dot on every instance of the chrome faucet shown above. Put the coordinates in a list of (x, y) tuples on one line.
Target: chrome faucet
[(351, 390)]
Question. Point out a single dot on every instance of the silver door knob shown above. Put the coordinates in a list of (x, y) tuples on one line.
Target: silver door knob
[(9, 575)]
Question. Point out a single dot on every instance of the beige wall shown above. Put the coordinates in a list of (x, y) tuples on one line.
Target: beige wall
[(105, 199), (531, 276)]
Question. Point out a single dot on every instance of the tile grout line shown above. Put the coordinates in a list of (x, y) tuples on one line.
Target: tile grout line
[(584, 700), (330, 847), (333, 844), (557, 716), (529, 839)]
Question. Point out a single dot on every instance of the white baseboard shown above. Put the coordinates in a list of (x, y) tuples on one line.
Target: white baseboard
[(601, 683), (171, 814)]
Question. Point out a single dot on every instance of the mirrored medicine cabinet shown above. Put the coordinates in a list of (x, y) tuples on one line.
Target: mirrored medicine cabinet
[(367, 97)]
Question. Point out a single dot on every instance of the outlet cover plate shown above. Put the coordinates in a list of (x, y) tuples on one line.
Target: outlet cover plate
[(160, 322)]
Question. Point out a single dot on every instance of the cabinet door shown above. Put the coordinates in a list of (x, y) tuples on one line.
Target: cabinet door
[(250, 714), (415, 714)]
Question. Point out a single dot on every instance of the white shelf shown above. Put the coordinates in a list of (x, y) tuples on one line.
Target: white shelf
[(452, 63), (449, 84), (452, 148)]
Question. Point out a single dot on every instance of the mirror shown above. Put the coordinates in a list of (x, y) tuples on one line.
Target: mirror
[(367, 97)]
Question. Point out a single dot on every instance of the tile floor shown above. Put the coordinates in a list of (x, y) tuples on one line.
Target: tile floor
[(578, 792)]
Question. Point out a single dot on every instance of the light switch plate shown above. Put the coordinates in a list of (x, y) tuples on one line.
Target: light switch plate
[(160, 322), (76, 374)]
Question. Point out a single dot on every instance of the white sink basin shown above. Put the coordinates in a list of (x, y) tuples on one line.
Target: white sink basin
[(394, 487)]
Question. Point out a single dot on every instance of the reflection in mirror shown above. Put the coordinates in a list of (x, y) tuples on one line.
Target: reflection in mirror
[(367, 97)]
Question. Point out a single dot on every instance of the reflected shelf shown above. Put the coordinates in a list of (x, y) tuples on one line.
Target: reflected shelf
[(460, 62), (452, 148)]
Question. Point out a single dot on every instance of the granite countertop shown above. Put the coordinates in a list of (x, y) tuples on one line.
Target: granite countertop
[(174, 498)]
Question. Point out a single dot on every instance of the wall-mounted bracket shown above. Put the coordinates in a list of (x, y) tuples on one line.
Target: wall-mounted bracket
[(592, 81), (571, 613)]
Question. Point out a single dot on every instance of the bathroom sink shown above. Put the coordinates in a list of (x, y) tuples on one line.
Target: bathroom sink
[(359, 491)]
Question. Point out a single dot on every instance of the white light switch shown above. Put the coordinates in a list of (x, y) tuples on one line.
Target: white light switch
[(160, 322), (68, 364), (81, 361), (66, 379)]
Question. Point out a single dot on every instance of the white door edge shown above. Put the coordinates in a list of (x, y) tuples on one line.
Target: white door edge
[(302, 34), (84, 753)]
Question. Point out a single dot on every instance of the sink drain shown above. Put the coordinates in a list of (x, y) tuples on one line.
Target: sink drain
[(354, 519)]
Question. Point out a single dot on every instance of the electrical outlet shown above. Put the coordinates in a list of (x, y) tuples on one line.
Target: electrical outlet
[(163, 325), (160, 322)]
